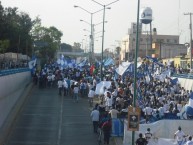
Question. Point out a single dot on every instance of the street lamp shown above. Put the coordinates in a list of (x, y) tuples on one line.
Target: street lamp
[(104, 7), (85, 22), (91, 24)]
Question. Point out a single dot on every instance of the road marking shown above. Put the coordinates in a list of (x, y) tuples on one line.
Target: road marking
[(60, 123), (29, 142)]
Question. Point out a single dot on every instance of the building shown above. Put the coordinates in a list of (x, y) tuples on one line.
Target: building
[(170, 46)]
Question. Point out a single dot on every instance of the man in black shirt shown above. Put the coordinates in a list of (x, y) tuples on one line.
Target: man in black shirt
[(141, 140)]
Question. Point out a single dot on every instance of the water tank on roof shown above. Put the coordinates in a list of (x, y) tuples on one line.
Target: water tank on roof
[(146, 15)]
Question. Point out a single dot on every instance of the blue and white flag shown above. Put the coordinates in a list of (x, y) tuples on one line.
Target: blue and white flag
[(32, 63)]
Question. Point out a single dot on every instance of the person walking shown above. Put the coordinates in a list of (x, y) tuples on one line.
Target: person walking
[(91, 96), (148, 135), (60, 85), (75, 91), (107, 127), (95, 119), (180, 136)]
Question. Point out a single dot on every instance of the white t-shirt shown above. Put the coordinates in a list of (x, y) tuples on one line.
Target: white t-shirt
[(65, 84), (113, 113), (180, 135), (91, 94), (109, 101), (148, 111), (189, 142), (76, 89), (60, 83), (95, 115)]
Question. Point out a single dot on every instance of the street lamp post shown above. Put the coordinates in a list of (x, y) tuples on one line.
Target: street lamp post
[(104, 7), (190, 14), (91, 24), (135, 67)]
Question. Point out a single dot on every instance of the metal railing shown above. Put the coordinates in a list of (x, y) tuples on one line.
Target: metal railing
[(187, 76), (13, 71)]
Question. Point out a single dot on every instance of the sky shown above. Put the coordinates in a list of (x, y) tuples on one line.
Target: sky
[(168, 18)]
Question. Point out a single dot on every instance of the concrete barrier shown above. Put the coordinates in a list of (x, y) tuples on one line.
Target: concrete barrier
[(161, 130), (13, 91)]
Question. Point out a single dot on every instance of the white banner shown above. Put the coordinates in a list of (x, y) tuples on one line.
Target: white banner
[(100, 87)]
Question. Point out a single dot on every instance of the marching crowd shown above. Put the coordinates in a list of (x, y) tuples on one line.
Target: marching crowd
[(157, 99)]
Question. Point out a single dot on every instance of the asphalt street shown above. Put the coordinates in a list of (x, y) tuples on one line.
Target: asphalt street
[(49, 119)]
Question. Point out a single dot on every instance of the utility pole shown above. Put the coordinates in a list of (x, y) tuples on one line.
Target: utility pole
[(190, 14), (125, 42)]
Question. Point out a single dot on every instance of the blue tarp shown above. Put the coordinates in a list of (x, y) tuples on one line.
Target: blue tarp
[(117, 127)]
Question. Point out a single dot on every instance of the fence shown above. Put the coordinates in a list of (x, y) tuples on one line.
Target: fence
[(187, 76), (13, 71)]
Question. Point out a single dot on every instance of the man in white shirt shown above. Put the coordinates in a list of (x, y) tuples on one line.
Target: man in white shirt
[(114, 112), (75, 91), (148, 112), (65, 85), (95, 119), (109, 101), (91, 96), (60, 84), (180, 136), (148, 135)]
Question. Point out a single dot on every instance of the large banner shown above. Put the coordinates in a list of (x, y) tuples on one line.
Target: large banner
[(100, 87)]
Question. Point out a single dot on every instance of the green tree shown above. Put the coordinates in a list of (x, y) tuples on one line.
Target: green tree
[(4, 44), (66, 47)]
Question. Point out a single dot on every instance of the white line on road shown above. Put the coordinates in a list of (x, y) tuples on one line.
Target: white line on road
[(60, 123)]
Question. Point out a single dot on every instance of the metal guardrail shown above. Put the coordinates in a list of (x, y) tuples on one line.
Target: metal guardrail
[(12, 71), (187, 76)]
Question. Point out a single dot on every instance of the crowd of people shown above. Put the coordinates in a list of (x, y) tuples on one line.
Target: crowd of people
[(157, 99)]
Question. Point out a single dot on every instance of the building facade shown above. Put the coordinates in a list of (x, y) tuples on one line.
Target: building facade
[(170, 46)]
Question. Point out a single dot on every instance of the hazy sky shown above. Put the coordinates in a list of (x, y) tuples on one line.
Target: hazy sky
[(168, 18)]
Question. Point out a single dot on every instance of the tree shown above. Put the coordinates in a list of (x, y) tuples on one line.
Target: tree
[(66, 47), (15, 27), (4, 44)]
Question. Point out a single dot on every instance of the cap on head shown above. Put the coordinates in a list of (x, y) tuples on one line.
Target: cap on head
[(148, 129), (179, 128)]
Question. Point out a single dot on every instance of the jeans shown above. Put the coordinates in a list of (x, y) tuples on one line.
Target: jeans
[(60, 91), (95, 126), (76, 97), (180, 142)]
